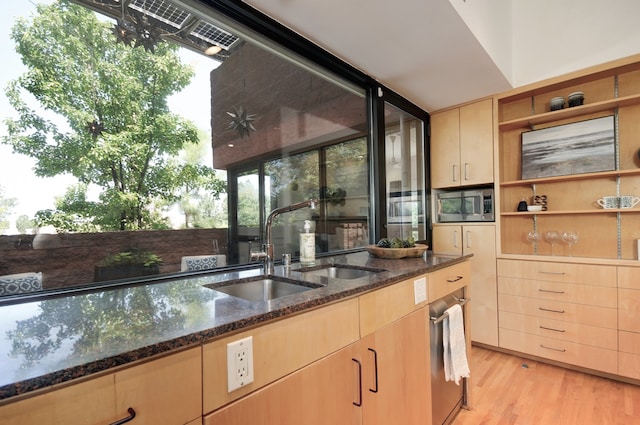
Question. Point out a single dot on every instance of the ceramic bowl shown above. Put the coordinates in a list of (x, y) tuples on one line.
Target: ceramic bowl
[(576, 98), (557, 103), (395, 253), (534, 208)]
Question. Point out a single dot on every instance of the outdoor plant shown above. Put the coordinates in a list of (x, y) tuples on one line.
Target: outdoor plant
[(133, 256)]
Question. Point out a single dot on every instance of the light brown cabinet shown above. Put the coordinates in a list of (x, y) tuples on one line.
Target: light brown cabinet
[(396, 385), (382, 378), (374, 381), (629, 321), (479, 240), (609, 90), (560, 311), (325, 392), (280, 348), (167, 390), (462, 145)]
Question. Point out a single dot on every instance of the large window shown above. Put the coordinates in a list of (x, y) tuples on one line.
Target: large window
[(336, 175), (123, 122)]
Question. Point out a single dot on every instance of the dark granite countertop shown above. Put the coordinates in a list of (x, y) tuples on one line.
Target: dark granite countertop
[(55, 340)]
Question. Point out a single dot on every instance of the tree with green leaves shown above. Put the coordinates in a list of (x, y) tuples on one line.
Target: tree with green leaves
[(24, 223), (119, 133), (5, 210)]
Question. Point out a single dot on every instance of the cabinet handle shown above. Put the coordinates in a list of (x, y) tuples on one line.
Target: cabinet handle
[(455, 238), (562, 350), (457, 278), (466, 171), (552, 329), (551, 310), (359, 402), (375, 366), (468, 238), (550, 291), (453, 170), (132, 414), (544, 272)]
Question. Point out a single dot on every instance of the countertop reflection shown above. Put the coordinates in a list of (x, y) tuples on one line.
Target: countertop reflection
[(58, 339)]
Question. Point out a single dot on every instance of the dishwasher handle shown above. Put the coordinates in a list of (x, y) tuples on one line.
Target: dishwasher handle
[(461, 301)]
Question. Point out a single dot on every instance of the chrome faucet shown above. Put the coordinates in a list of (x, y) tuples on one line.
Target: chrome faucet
[(267, 254)]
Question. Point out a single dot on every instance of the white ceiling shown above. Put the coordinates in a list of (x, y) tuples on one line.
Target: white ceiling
[(421, 49), (426, 51)]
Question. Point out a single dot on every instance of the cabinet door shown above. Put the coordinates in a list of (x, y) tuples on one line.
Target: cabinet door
[(481, 242), (445, 148), (447, 239), (476, 143), (164, 391), (319, 394), (87, 403), (396, 381)]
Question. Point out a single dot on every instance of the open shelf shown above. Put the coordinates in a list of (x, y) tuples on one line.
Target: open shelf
[(576, 111), (609, 234), (572, 177), (564, 212)]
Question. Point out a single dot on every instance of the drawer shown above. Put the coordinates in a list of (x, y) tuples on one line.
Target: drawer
[(629, 309), (629, 365), (562, 351), (629, 277), (602, 317), (563, 331), (445, 281), (629, 342), (558, 272), (569, 292), (383, 306)]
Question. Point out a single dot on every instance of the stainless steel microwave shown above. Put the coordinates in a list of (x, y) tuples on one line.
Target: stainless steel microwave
[(464, 205)]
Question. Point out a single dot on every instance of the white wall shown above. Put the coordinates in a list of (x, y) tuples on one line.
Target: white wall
[(490, 21), (531, 40), (553, 37)]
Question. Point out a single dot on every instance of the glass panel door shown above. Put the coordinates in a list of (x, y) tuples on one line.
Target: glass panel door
[(405, 174)]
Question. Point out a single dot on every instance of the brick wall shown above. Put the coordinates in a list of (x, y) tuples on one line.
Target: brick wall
[(69, 259)]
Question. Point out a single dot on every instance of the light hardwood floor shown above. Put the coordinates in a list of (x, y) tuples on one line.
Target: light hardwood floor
[(512, 390)]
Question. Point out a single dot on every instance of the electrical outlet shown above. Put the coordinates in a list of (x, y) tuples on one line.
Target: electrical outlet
[(420, 290), (239, 363)]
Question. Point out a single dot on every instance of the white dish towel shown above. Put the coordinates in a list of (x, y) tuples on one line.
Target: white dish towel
[(455, 349)]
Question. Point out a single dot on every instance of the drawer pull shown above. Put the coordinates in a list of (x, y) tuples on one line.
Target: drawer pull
[(457, 278), (359, 402), (552, 329), (375, 363), (550, 291), (543, 272), (562, 350), (132, 414), (551, 310)]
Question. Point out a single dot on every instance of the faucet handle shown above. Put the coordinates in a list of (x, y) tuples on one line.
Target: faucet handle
[(257, 255)]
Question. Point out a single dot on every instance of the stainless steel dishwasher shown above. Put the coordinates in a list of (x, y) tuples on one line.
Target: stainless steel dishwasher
[(447, 398)]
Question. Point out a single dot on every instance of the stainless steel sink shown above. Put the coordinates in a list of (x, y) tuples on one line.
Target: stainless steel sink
[(340, 272), (264, 289)]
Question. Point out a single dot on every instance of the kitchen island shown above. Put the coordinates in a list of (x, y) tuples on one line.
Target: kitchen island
[(70, 339)]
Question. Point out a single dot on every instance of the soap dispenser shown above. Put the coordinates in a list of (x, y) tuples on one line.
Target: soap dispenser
[(307, 245)]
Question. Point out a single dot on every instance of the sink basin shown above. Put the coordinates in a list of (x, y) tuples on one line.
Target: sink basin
[(340, 272), (264, 289)]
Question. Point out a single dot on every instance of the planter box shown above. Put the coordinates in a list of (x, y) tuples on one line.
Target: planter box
[(103, 273)]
